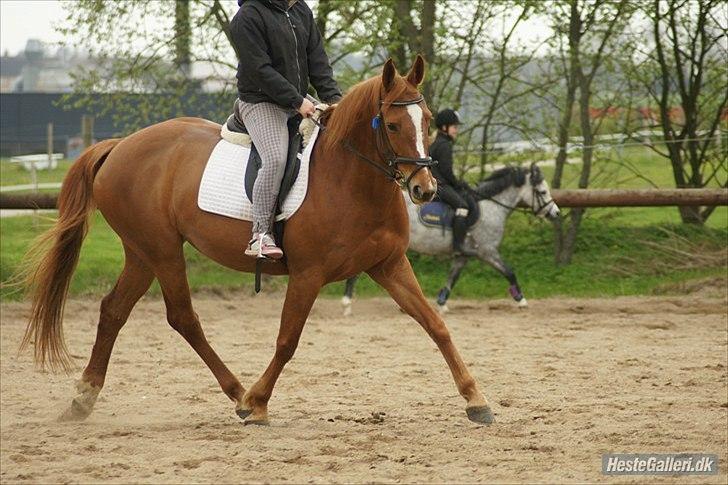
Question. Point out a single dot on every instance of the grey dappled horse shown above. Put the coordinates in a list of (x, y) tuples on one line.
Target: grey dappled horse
[(498, 196)]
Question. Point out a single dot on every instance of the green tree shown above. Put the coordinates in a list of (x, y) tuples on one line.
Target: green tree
[(684, 74)]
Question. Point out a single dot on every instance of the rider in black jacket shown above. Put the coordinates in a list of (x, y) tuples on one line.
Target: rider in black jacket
[(449, 188), (280, 50)]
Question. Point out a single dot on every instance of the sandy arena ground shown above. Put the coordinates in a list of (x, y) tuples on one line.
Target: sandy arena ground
[(369, 398)]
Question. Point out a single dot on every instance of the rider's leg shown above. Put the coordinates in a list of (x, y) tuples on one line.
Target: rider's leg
[(460, 221), (266, 123), (459, 229)]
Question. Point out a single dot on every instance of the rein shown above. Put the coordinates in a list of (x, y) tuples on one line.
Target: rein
[(387, 173), (386, 151)]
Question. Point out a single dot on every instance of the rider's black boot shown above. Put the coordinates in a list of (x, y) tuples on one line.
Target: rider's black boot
[(459, 231)]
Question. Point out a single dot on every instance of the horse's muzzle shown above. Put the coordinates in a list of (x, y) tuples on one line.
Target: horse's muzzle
[(422, 195)]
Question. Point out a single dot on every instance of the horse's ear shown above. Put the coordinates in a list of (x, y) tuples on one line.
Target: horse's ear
[(389, 72), (536, 175), (417, 73)]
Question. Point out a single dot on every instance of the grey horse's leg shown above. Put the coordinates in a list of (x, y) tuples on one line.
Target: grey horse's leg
[(348, 295), (457, 267), (493, 257)]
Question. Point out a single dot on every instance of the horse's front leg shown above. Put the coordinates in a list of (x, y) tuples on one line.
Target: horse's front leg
[(300, 296), (397, 277), (457, 267)]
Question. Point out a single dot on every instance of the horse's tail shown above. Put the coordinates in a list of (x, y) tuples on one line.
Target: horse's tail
[(50, 263)]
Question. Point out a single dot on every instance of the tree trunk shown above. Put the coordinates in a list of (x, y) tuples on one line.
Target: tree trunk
[(568, 243), (404, 35), (483, 152), (427, 41), (564, 235), (691, 215), (322, 16), (182, 36), (576, 215)]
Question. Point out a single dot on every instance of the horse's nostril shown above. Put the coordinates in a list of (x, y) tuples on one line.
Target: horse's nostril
[(417, 191)]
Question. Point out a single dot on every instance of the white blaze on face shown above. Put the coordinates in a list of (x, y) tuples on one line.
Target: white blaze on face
[(415, 113)]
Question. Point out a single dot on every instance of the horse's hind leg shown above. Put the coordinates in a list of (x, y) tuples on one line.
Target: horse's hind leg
[(348, 295), (397, 277), (172, 278), (115, 308), (493, 258)]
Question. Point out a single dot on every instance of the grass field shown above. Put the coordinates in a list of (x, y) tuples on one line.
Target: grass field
[(612, 258), (15, 174), (620, 251)]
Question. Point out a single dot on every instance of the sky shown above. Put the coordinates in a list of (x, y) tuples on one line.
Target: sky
[(28, 19), (21, 20)]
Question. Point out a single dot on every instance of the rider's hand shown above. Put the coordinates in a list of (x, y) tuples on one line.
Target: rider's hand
[(307, 108)]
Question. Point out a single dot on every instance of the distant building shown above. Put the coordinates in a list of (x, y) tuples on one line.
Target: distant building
[(40, 69), (35, 70), (10, 71)]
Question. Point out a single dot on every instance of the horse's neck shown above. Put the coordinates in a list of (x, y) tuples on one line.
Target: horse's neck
[(500, 204), (507, 196), (345, 177), (490, 228)]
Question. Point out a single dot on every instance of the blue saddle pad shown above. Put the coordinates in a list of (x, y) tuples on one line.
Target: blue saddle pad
[(436, 214)]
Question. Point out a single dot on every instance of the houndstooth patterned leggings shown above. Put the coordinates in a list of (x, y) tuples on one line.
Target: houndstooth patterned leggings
[(266, 124)]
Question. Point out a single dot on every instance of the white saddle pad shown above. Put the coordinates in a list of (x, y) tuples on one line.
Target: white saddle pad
[(222, 189)]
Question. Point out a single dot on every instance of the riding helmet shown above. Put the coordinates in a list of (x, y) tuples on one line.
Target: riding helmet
[(447, 117)]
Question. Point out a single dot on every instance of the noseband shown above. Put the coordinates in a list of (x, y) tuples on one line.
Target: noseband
[(386, 151)]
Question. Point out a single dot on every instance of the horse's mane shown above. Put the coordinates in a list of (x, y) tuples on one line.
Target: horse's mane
[(500, 180), (357, 108)]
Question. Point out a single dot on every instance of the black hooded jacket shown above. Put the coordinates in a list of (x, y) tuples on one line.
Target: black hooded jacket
[(280, 50), (441, 150)]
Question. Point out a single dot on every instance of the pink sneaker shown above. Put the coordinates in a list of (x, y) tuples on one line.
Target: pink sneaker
[(263, 246)]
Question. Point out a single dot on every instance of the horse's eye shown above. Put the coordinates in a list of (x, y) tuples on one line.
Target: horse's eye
[(392, 127), (542, 192)]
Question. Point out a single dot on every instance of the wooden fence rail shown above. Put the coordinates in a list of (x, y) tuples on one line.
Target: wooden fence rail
[(564, 198), (640, 197)]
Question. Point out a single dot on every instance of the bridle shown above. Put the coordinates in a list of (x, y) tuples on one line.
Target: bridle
[(539, 203), (386, 151)]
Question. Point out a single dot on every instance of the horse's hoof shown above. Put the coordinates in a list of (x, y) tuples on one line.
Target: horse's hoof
[(248, 417), (76, 412), (243, 413), (523, 303), (442, 309), (480, 414), (257, 422)]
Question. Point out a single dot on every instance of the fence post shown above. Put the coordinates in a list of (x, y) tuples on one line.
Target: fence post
[(49, 133), (87, 130)]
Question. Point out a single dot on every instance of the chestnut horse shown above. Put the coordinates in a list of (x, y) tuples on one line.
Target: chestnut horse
[(353, 219)]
